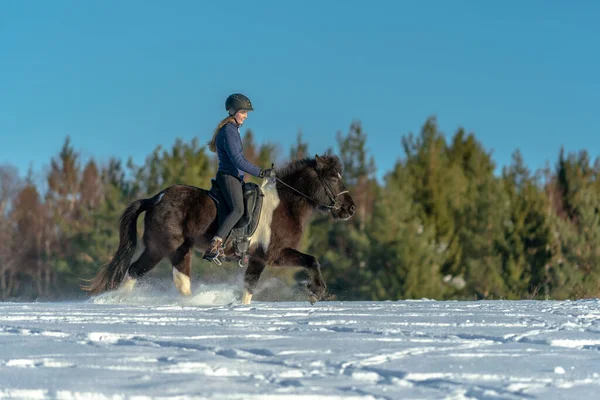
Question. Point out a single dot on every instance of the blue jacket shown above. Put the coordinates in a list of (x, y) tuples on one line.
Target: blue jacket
[(230, 152)]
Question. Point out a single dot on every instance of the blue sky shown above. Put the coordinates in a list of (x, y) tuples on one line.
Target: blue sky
[(121, 77)]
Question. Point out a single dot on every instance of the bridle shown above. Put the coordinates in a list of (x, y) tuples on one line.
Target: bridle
[(335, 204)]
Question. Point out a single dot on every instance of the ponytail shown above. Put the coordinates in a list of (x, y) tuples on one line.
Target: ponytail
[(212, 144)]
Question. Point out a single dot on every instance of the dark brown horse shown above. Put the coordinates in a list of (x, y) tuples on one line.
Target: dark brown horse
[(181, 217)]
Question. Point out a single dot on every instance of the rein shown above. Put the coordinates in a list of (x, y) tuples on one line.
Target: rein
[(336, 205)]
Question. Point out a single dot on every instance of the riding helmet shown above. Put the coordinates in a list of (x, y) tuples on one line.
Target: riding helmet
[(237, 102)]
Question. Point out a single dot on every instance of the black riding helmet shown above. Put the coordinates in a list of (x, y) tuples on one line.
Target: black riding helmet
[(237, 102)]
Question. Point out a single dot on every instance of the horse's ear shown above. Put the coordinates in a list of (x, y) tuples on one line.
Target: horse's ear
[(320, 161)]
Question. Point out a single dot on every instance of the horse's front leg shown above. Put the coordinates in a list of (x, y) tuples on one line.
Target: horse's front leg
[(292, 257), (255, 269)]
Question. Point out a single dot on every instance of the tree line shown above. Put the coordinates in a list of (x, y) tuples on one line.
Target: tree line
[(442, 225)]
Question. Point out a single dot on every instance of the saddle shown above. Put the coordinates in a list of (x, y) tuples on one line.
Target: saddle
[(247, 224)]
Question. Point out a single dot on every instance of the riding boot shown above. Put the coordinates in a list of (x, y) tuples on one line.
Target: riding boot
[(214, 250)]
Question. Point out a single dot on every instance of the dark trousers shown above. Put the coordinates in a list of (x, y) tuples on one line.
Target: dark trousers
[(230, 213)]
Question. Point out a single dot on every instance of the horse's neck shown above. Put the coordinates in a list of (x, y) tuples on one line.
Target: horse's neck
[(304, 216), (297, 205)]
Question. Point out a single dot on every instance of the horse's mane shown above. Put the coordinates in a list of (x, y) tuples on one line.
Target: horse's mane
[(297, 167)]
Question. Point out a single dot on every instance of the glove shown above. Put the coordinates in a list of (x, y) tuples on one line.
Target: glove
[(267, 173)]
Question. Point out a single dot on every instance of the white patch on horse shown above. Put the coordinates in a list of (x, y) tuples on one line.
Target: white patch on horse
[(160, 196), (262, 234), (246, 297), (182, 282), (127, 284)]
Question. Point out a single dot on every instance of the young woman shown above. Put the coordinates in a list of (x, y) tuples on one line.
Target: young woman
[(227, 143)]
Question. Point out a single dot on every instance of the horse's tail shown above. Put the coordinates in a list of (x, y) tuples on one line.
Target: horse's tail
[(112, 273)]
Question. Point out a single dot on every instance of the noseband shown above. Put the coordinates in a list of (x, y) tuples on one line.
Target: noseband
[(335, 204)]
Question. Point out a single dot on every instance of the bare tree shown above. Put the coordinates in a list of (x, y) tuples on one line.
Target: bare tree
[(9, 251)]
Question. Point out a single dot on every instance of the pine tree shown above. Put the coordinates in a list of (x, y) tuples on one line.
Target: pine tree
[(90, 189), (479, 218), (406, 258), (300, 149), (99, 242), (440, 189), (576, 226), (358, 171), (62, 201), (185, 163), (63, 180), (526, 249)]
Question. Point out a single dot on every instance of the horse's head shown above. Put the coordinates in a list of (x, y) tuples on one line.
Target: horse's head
[(332, 190)]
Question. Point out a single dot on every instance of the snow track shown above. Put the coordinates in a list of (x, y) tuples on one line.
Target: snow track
[(334, 350)]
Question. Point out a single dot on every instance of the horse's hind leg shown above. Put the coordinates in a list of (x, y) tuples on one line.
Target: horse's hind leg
[(182, 266), (140, 267)]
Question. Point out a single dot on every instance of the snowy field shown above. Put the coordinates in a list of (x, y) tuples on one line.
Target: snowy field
[(210, 346)]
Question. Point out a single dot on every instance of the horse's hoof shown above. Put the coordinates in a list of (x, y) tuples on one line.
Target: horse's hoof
[(312, 298), (127, 285), (246, 297), (318, 291)]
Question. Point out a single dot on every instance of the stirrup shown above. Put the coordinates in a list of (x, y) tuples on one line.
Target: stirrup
[(220, 252), (244, 260), (214, 259)]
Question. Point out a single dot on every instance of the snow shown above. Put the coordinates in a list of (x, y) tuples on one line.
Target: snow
[(158, 345)]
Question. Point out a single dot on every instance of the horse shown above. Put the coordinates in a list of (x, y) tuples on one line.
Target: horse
[(182, 217)]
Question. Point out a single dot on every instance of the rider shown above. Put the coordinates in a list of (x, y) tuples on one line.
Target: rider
[(227, 143)]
